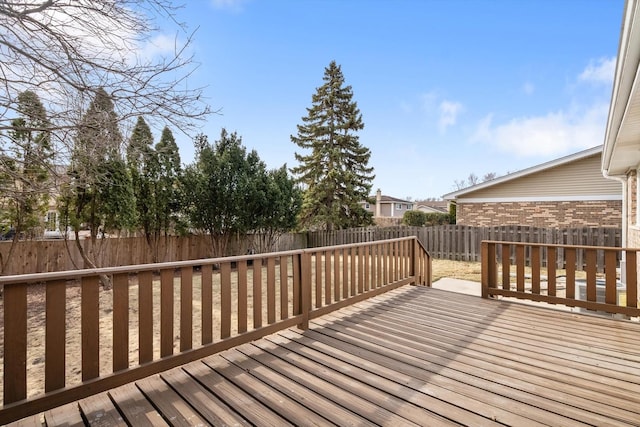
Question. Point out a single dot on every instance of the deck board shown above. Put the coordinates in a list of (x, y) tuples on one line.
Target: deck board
[(413, 356)]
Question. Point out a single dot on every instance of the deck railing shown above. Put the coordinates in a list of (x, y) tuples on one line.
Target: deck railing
[(612, 289), (64, 338)]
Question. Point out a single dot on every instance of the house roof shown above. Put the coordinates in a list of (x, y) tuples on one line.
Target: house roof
[(389, 199), (623, 125), (525, 172)]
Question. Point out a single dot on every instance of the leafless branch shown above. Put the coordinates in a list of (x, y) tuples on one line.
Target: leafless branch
[(65, 50)]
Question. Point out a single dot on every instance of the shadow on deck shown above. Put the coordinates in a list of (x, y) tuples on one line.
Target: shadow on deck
[(414, 355)]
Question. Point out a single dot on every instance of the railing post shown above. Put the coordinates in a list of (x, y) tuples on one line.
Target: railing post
[(412, 262), (15, 342), (631, 278), (488, 267), (305, 288)]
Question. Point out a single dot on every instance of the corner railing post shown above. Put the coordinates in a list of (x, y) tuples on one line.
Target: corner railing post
[(488, 267)]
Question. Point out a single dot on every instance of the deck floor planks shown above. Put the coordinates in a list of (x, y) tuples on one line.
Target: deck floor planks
[(374, 391), (491, 359), (412, 356), (67, 415), (357, 403), (32, 421), (554, 340), (463, 383), (556, 394), (173, 408), (588, 361), (323, 409), (135, 407), (571, 324), (98, 410), (390, 381), (287, 399), (452, 335), (419, 380), (242, 401), (208, 405)]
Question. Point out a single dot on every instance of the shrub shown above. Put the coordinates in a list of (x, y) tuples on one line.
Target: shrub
[(414, 218)]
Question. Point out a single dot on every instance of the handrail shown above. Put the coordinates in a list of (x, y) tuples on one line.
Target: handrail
[(594, 291), (224, 302)]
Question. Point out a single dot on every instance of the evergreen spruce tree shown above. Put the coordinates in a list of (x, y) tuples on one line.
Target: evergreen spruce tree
[(99, 195), (144, 170), (25, 165), (167, 191), (335, 173)]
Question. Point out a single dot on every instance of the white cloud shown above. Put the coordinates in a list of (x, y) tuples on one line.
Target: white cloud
[(555, 133), (160, 45), (528, 88), (599, 71), (429, 101), (233, 5), (449, 111)]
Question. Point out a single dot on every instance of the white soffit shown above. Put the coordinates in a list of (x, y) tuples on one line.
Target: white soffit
[(622, 140)]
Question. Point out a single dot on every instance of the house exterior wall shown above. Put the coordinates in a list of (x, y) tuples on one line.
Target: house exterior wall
[(633, 227), (389, 209), (599, 213), (582, 177)]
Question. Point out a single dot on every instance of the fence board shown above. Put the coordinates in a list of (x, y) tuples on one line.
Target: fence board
[(455, 242), (460, 242)]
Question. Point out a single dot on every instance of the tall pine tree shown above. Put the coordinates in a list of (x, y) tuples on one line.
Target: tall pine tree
[(167, 191), (25, 164), (335, 173), (144, 168), (99, 195)]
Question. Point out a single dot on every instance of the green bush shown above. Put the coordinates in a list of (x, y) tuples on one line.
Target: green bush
[(414, 218), (421, 219), (434, 218)]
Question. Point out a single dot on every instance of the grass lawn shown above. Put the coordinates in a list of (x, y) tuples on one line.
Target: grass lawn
[(464, 270)]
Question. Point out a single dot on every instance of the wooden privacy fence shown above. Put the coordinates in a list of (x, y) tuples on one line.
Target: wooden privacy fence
[(505, 272), (463, 243), (163, 315), (39, 256), (454, 242)]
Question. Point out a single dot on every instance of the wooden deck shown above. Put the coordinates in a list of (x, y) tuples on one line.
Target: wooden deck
[(415, 355)]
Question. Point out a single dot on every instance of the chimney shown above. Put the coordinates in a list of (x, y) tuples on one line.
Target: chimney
[(378, 204)]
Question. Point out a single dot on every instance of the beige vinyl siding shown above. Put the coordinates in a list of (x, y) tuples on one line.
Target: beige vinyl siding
[(580, 178)]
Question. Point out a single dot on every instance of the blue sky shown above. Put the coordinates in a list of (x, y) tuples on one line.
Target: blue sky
[(445, 88)]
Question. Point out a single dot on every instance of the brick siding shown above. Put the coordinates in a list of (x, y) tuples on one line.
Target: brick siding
[(603, 213)]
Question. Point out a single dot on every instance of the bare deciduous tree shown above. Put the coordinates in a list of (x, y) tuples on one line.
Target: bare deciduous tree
[(473, 179), (65, 50)]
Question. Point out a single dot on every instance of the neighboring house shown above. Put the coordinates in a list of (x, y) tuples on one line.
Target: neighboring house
[(387, 206), (621, 155), (387, 210), (566, 192), (435, 206), (52, 218)]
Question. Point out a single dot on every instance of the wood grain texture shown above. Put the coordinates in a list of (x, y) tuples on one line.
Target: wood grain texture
[(411, 356)]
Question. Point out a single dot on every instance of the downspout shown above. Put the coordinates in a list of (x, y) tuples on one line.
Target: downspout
[(625, 221)]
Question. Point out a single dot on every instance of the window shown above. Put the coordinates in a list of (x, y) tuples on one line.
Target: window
[(52, 217), (366, 206), (399, 206)]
